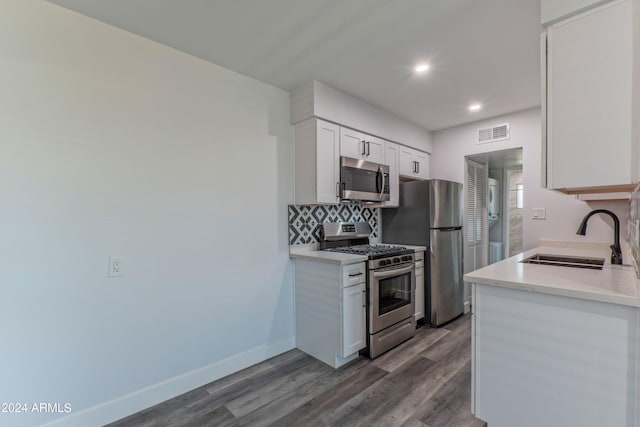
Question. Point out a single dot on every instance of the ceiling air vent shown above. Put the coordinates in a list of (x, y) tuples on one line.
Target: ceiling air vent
[(493, 134)]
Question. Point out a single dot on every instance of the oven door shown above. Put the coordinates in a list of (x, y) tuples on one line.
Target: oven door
[(391, 296), (363, 180)]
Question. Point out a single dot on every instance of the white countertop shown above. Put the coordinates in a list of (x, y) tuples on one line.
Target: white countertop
[(616, 284), (307, 252), (311, 252)]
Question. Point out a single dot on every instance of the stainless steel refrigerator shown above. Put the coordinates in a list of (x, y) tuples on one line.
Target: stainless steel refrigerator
[(430, 214)]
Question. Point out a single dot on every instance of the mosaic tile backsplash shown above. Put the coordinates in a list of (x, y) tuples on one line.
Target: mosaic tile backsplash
[(305, 221)]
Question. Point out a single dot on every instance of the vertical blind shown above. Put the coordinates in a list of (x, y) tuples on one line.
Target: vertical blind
[(475, 202)]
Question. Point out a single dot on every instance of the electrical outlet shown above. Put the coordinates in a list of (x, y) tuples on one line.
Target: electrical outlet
[(116, 266)]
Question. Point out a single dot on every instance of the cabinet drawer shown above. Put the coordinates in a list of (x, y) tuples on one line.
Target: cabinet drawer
[(354, 274), (419, 256)]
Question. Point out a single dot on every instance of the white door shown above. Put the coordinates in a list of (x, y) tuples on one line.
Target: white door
[(475, 227)]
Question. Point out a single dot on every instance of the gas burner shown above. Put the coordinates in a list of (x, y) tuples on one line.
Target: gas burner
[(373, 251)]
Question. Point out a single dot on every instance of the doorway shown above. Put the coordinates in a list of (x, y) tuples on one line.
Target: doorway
[(494, 201)]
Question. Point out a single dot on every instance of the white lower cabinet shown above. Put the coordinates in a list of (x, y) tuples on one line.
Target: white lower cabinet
[(330, 306), (548, 360), (419, 303)]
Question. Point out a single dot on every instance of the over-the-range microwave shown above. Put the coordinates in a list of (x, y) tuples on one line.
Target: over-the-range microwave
[(364, 181)]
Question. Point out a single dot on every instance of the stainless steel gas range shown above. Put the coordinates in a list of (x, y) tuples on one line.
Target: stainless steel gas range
[(391, 283)]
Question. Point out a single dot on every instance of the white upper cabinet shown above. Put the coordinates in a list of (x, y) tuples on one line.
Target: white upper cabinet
[(589, 95), (413, 164), (358, 145), (391, 158), (317, 162), (552, 10)]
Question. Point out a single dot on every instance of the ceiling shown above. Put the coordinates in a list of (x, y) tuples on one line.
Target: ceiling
[(479, 51)]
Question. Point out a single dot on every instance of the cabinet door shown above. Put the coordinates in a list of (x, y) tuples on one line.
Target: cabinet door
[(589, 86), (422, 165), (391, 159), (353, 319), (407, 166), (414, 164), (352, 144), (327, 162), (374, 149)]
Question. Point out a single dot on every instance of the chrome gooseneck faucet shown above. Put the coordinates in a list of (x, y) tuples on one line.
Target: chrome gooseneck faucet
[(616, 252)]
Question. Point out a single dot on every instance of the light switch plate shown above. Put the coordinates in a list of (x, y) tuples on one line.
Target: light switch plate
[(539, 213)]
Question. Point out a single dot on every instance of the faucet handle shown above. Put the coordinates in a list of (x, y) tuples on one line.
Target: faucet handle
[(616, 254)]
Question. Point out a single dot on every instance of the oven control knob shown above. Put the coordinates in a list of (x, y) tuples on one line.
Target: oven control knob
[(396, 260)]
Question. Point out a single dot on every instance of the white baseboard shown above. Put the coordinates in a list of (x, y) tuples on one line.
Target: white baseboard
[(131, 403)]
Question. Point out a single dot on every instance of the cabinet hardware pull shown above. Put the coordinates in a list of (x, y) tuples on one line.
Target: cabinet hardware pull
[(338, 189), (368, 148), (417, 167), (414, 166), (364, 147), (364, 299), (381, 172), (355, 275)]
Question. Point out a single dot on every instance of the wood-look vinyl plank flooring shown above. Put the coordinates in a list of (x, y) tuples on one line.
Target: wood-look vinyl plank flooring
[(424, 382)]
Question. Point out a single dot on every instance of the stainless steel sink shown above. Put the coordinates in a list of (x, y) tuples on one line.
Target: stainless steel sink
[(565, 261)]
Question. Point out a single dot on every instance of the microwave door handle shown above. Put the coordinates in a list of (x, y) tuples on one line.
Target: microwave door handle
[(381, 172)]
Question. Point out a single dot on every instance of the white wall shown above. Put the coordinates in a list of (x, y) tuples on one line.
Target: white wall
[(316, 99), (111, 144), (564, 212)]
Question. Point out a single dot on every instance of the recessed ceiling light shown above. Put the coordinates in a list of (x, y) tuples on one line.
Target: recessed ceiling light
[(422, 68), (475, 107)]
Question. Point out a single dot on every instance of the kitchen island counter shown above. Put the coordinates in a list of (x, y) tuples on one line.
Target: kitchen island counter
[(617, 284), (555, 345)]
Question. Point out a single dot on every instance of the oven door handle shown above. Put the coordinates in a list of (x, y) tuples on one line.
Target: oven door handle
[(394, 272)]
